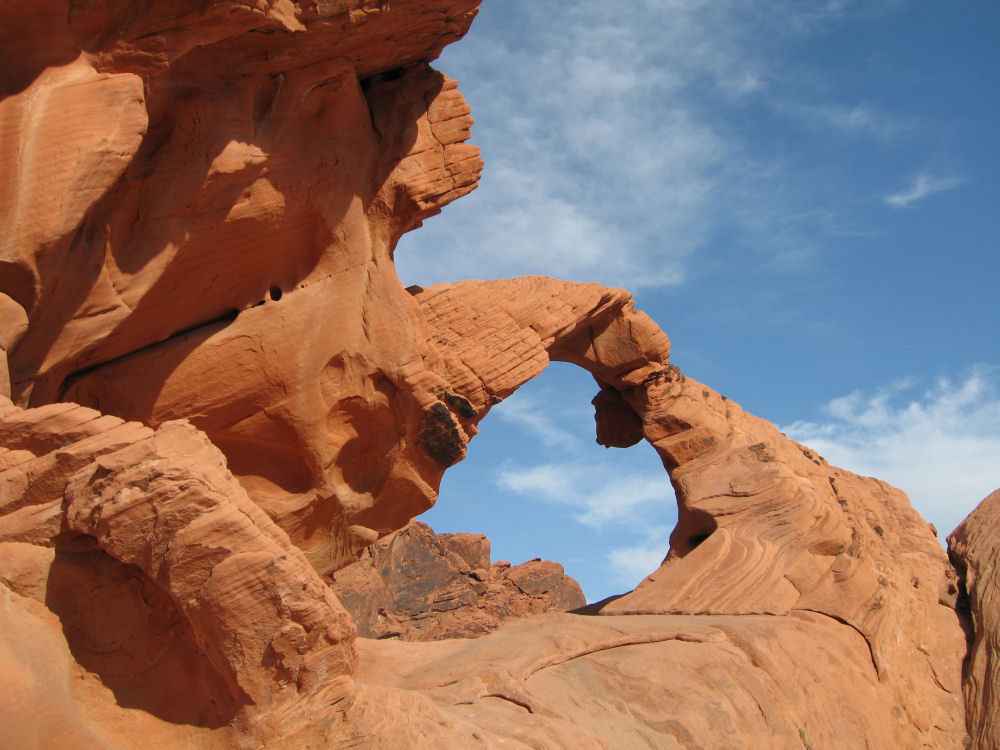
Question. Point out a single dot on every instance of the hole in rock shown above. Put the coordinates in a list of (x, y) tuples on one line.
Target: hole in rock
[(536, 482), (275, 293), (393, 75), (697, 539)]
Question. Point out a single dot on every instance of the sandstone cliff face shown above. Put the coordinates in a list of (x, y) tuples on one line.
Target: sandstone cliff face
[(186, 188), (220, 393), (975, 548), (416, 585)]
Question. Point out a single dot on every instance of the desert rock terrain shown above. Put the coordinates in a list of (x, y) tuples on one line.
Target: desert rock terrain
[(220, 412)]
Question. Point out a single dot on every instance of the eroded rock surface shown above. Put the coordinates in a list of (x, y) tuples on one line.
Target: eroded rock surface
[(200, 205), (171, 586), (765, 526), (416, 585), (975, 548), (663, 681), (200, 209)]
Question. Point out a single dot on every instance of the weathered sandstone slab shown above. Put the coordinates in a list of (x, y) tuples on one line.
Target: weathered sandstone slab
[(169, 583), (418, 585), (665, 681)]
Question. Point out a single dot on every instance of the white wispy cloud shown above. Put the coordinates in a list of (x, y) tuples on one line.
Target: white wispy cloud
[(598, 493), (921, 186), (636, 507), (607, 159), (863, 119), (941, 445), (631, 564), (526, 413), (610, 141)]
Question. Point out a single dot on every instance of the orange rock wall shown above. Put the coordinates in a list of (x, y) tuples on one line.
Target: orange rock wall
[(200, 205), (200, 210)]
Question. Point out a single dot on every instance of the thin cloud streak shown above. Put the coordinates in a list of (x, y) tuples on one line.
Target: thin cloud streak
[(920, 187), (631, 564), (609, 145), (598, 494), (528, 415), (941, 446)]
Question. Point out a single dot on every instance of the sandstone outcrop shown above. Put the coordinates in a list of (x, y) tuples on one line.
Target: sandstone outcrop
[(171, 586), (662, 681), (975, 549), (220, 394), (416, 585), (182, 189), (765, 526)]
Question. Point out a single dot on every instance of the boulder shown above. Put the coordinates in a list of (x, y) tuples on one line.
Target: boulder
[(416, 585)]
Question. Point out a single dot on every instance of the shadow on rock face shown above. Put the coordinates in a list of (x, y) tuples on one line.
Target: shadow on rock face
[(122, 627)]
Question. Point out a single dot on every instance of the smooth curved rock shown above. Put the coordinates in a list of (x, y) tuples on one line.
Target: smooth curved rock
[(664, 681), (191, 186)]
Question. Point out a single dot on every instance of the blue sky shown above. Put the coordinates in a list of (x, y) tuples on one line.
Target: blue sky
[(804, 195)]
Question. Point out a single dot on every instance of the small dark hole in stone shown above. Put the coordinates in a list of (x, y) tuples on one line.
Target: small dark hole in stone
[(393, 75), (697, 539), (276, 293)]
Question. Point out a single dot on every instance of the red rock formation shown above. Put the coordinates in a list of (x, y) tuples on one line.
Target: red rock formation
[(200, 206), (765, 526), (566, 681), (223, 178), (975, 549), (419, 586), (205, 611)]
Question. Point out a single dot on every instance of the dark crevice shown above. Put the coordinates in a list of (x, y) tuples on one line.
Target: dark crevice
[(963, 608), (694, 541), (221, 320), (853, 627), (692, 529), (515, 701)]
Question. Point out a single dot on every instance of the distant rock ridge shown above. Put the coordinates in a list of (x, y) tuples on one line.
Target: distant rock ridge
[(416, 585)]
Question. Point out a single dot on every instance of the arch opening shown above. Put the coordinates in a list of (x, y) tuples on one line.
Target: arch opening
[(538, 484)]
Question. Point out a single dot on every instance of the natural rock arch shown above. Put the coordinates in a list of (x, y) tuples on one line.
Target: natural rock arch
[(201, 205), (765, 526)]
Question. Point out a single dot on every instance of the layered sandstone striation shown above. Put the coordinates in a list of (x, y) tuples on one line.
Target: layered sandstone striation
[(765, 525), (416, 585), (215, 395), (171, 586)]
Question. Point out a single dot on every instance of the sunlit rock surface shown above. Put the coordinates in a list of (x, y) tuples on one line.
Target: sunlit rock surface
[(220, 394)]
